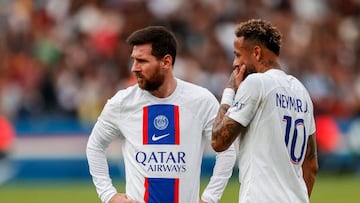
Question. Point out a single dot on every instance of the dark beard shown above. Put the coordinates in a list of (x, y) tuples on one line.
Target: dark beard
[(153, 83)]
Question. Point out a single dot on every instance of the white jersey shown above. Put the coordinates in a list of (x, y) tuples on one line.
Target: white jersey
[(278, 113), (162, 145)]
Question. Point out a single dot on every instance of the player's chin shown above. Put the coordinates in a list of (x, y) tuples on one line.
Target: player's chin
[(141, 82)]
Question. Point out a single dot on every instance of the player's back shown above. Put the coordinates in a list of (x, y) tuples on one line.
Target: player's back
[(273, 149)]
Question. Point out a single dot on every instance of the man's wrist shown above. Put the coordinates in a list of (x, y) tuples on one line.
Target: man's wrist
[(228, 96)]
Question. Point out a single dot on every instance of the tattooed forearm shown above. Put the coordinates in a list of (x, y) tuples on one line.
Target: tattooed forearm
[(220, 116), (311, 149), (310, 165), (225, 130)]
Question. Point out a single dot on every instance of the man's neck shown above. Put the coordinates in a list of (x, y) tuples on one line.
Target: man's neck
[(166, 89), (270, 62)]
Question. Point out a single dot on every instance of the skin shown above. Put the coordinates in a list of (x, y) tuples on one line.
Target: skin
[(310, 165), (250, 58), (121, 198), (152, 74), (155, 76)]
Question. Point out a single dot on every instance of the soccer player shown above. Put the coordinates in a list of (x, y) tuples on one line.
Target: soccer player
[(162, 121), (272, 115)]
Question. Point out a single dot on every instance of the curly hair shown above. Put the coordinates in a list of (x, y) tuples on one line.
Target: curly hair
[(262, 32)]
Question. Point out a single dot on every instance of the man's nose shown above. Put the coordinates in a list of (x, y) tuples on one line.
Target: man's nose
[(135, 67)]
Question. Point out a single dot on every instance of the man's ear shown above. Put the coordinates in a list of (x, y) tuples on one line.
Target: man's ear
[(258, 52), (167, 61)]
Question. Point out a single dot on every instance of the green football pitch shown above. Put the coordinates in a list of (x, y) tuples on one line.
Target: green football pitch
[(327, 189)]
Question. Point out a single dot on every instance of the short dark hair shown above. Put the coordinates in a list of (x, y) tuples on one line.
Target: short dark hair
[(162, 40), (262, 32)]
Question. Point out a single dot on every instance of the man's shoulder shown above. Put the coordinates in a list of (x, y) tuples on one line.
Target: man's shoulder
[(127, 93), (198, 97), (194, 88)]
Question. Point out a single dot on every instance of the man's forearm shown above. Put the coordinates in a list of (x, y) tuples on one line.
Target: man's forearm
[(217, 140), (310, 166)]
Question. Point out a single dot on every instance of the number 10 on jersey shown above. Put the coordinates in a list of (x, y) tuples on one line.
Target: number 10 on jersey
[(295, 138)]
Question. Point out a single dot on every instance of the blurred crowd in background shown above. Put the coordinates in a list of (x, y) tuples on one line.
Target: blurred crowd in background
[(65, 58)]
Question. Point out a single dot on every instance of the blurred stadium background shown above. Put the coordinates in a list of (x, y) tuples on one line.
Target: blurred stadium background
[(61, 60)]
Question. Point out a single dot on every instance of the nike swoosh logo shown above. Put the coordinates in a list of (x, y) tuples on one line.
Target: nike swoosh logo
[(156, 138)]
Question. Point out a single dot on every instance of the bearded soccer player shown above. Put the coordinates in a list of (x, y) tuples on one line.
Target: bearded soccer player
[(162, 122), (272, 117)]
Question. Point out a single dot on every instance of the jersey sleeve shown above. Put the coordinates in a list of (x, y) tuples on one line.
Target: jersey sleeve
[(222, 172), (103, 133), (224, 162), (247, 101), (312, 119)]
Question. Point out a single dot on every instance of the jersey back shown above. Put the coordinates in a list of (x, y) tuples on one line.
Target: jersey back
[(278, 113)]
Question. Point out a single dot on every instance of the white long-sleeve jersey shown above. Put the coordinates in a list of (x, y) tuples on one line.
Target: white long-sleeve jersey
[(162, 145), (278, 113)]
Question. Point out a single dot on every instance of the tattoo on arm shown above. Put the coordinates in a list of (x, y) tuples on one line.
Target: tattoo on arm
[(310, 166), (225, 130), (311, 151)]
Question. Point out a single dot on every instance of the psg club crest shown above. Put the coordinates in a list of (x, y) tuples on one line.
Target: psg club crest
[(161, 124)]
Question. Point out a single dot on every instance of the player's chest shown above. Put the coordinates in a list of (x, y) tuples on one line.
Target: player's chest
[(161, 124)]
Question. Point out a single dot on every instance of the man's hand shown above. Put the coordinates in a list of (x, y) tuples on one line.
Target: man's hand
[(121, 198), (236, 77), (201, 201)]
